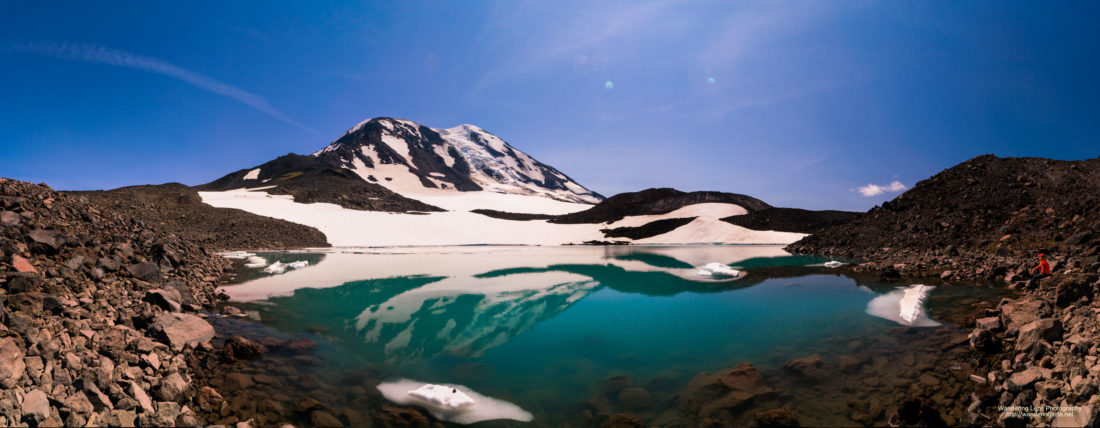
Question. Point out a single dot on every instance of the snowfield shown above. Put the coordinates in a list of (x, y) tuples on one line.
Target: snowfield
[(458, 226)]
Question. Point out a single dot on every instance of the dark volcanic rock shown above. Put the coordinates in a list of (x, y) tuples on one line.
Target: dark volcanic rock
[(179, 210), (792, 219), (654, 201), (647, 230), (776, 418), (239, 348)]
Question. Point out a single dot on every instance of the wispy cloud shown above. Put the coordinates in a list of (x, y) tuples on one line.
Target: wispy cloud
[(105, 55), (875, 190)]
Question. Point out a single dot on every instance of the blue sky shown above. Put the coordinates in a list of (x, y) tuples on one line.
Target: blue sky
[(797, 103)]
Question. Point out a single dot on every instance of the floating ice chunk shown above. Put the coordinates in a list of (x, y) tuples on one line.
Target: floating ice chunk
[(444, 397), (904, 306), (833, 264), (240, 255), (717, 270), (279, 267), (482, 408), (255, 262)]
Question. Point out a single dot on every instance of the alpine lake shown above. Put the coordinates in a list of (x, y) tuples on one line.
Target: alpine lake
[(574, 334)]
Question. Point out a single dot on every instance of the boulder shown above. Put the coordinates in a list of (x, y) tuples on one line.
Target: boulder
[(1047, 329), (1020, 380), (36, 405), (148, 272), (238, 348), (781, 417), (9, 219), (730, 389), (810, 367), (12, 364), (45, 238), (142, 398), (179, 330), (1016, 314), (391, 415), (988, 323), (323, 419), (172, 388), (634, 398), (208, 399), (848, 363), (167, 299), (21, 264)]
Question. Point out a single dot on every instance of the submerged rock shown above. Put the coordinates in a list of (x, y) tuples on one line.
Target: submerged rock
[(731, 389)]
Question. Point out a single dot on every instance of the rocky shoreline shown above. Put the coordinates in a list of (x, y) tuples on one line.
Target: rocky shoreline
[(102, 314)]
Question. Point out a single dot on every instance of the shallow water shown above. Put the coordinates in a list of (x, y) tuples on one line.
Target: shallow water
[(543, 327)]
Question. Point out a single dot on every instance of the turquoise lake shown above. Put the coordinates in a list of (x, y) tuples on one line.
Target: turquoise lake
[(544, 327)]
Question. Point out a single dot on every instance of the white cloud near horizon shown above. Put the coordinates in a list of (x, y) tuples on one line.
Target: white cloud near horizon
[(875, 190), (104, 55)]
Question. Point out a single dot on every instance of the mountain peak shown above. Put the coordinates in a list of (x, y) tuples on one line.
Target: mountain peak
[(410, 158)]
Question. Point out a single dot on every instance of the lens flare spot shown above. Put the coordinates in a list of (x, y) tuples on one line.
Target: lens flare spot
[(609, 85), (711, 80)]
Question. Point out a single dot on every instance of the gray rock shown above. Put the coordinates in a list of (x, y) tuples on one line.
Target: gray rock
[(36, 405), (167, 299), (44, 237), (12, 365), (183, 329), (1047, 329), (9, 219), (110, 264), (148, 272)]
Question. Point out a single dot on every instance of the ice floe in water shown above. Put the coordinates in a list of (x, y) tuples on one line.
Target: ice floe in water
[(239, 255), (443, 397), (255, 262), (278, 267), (717, 270), (904, 306), (440, 401), (833, 264)]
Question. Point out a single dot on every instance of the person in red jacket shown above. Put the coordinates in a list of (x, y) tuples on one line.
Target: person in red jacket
[(1044, 271)]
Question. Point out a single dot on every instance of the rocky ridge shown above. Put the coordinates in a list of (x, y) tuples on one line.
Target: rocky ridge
[(99, 312), (1035, 356), (178, 209)]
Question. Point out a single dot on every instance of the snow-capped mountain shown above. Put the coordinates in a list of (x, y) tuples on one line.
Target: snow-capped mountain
[(410, 159)]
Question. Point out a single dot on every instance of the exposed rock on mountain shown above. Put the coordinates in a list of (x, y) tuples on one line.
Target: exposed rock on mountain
[(654, 201), (792, 219), (179, 210), (309, 180)]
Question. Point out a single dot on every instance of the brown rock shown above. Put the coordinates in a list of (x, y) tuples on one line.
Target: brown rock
[(208, 399), (1020, 380), (732, 388), (239, 348), (634, 398), (36, 405), (9, 219), (781, 417), (236, 381), (12, 364), (323, 419), (1048, 329), (21, 265), (811, 367), (402, 416), (622, 420)]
